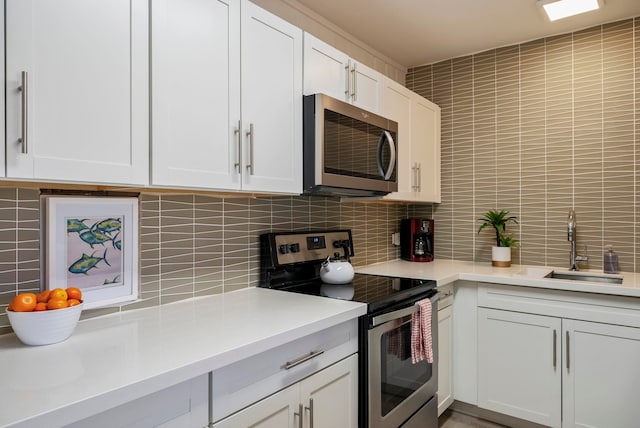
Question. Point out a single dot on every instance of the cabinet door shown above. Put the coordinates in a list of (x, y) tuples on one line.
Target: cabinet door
[(445, 358), (196, 93), (271, 102), (330, 396), (396, 105), (366, 87), (84, 116), (519, 365), (326, 69), (425, 147), (280, 410), (418, 143), (601, 380)]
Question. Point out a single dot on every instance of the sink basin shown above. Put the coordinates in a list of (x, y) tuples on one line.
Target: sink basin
[(585, 276)]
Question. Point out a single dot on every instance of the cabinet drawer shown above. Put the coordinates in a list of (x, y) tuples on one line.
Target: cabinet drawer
[(603, 308), (242, 383), (446, 296)]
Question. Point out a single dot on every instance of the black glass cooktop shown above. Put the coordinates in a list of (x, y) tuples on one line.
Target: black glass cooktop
[(376, 291)]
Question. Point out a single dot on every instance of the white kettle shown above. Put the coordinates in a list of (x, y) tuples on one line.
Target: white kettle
[(336, 271)]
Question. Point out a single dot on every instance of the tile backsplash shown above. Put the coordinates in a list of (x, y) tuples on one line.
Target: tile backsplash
[(537, 129), (193, 245)]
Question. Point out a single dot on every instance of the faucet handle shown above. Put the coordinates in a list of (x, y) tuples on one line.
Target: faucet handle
[(584, 257)]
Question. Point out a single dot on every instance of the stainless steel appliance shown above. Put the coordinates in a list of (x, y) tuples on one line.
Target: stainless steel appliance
[(347, 151), (393, 391)]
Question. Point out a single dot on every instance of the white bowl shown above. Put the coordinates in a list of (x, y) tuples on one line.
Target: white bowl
[(45, 327)]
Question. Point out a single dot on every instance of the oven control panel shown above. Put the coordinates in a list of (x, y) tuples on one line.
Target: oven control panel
[(304, 247)]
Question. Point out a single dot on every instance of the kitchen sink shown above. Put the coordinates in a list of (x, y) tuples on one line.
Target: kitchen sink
[(585, 276)]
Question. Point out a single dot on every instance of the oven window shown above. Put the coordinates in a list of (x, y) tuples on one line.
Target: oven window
[(400, 378)]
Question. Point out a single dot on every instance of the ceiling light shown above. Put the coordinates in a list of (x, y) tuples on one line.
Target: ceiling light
[(558, 9)]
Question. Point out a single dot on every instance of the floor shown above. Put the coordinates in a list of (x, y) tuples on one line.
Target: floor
[(451, 419)]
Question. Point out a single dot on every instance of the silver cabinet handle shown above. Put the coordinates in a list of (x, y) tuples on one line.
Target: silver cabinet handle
[(310, 410), (291, 364), (250, 134), (236, 131), (555, 353), (347, 80), (354, 91), (298, 414), (419, 177), (568, 351), (24, 91), (414, 177)]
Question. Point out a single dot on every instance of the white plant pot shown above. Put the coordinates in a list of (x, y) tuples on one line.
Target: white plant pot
[(500, 256)]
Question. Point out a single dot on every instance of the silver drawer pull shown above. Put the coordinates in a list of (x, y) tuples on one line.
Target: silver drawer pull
[(290, 364)]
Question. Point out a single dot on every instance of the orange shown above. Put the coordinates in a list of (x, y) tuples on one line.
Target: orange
[(57, 304), (43, 296), (40, 306), (73, 302), (58, 294), (24, 302), (74, 293)]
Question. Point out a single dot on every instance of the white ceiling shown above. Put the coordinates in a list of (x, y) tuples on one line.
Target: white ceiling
[(418, 32)]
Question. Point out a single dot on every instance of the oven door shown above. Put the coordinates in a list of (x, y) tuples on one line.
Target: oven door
[(397, 387)]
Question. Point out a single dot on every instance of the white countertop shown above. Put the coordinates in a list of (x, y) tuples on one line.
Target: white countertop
[(117, 358), (447, 271)]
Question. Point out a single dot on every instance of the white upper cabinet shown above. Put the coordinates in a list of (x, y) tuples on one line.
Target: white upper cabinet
[(195, 93), (205, 133), (271, 132), (330, 71), (77, 90), (425, 148), (418, 143)]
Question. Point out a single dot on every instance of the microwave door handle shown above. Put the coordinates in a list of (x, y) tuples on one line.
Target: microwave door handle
[(386, 136)]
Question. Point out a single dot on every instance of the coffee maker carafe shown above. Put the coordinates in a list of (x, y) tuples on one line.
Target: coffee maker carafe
[(416, 240)]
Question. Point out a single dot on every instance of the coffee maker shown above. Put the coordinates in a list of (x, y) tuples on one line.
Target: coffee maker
[(416, 240)]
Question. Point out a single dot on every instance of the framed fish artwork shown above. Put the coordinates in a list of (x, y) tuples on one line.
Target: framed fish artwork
[(92, 244)]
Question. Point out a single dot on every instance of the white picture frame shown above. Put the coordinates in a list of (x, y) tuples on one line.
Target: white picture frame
[(92, 243)]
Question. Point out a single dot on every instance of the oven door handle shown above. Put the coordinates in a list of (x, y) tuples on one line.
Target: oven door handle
[(400, 313)]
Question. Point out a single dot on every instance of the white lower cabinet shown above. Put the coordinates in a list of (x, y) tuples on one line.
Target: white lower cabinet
[(326, 399), (185, 405), (557, 371), (445, 349), (601, 381), (519, 368)]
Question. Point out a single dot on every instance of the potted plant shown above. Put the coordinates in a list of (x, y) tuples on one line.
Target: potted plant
[(501, 252)]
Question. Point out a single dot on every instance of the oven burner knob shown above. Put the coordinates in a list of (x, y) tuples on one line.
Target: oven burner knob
[(294, 248), (284, 249)]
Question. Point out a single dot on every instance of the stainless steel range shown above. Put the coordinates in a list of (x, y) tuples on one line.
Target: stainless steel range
[(394, 392)]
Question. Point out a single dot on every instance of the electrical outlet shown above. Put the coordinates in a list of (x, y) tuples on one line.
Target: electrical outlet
[(395, 239)]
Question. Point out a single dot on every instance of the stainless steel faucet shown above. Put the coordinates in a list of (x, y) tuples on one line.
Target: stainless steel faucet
[(571, 237)]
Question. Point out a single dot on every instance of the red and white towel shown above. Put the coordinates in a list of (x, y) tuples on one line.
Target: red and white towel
[(421, 340)]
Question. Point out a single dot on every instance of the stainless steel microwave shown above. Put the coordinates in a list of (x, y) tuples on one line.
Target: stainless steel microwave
[(348, 151)]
